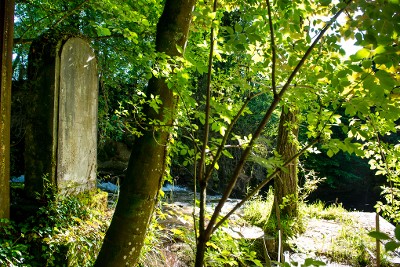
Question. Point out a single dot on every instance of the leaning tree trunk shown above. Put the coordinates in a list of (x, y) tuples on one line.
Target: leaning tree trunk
[(285, 184), (139, 191), (6, 43)]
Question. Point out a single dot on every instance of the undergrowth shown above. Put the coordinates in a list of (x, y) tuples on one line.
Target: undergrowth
[(65, 231), (350, 245), (320, 210), (167, 244), (224, 250)]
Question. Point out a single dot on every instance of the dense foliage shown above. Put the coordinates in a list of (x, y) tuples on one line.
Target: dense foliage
[(263, 55), (63, 231)]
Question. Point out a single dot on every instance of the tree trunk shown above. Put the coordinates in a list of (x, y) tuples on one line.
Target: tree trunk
[(286, 181), (6, 43), (139, 191), (200, 250)]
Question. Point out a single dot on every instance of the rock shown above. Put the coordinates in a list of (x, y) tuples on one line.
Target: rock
[(246, 232), (113, 157)]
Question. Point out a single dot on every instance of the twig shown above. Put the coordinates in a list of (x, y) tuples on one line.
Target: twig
[(262, 184), (201, 163), (210, 228)]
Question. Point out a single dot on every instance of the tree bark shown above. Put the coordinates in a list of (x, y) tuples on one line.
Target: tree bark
[(285, 183), (139, 191), (6, 43)]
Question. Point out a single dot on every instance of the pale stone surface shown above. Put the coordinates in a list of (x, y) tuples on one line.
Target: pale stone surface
[(77, 119), (61, 135), (321, 234)]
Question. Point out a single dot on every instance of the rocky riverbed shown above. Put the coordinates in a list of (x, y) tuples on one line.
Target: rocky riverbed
[(319, 240)]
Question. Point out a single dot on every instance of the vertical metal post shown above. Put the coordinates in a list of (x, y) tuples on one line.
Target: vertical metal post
[(278, 220), (378, 243), (6, 43)]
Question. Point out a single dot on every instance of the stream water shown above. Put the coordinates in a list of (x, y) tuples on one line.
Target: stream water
[(352, 199)]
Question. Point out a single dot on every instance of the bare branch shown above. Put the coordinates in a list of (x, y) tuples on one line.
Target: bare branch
[(262, 184), (201, 163), (261, 126), (67, 14), (309, 50)]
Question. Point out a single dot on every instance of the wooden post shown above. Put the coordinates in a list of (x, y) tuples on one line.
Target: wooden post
[(6, 43), (378, 242)]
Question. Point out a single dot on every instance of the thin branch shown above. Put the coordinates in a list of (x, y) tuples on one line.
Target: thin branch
[(208, 100), (382, 154), (226, 136), (260, 128), (201, 163), (309, 50), (93, 38), (262, 184), (67, 14), (273, 47)]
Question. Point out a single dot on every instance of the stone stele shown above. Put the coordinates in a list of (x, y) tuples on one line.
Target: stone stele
[(61, 138)]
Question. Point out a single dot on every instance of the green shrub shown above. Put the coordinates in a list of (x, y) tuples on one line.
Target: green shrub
[(63, 232), (224, 250)]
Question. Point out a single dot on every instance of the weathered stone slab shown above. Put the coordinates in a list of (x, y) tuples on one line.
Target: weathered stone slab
[(61, 136), (77, 119)]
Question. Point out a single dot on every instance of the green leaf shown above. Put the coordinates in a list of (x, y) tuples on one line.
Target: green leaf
[(350, 109), (385, 79), (330, 153), (381, 59), (238, 28), (392, 245), (292, 61), (227, 154), (378, 235), (397, 232), (367, 64), (342, 73), (103, 31), (179, 49), (380, 49), (145, 22), (229, 30), (325, 2), (216, 166), (211, 15), (362, 53), (312, 262), (222, 130)]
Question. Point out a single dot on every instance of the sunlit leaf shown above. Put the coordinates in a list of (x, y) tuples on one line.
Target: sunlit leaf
[(362, 53), (227, 154), (312, 262), (238, 28)]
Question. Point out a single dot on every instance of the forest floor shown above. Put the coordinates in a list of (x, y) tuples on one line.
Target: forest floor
[(340, 240), (329, 240), (330, 237)]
